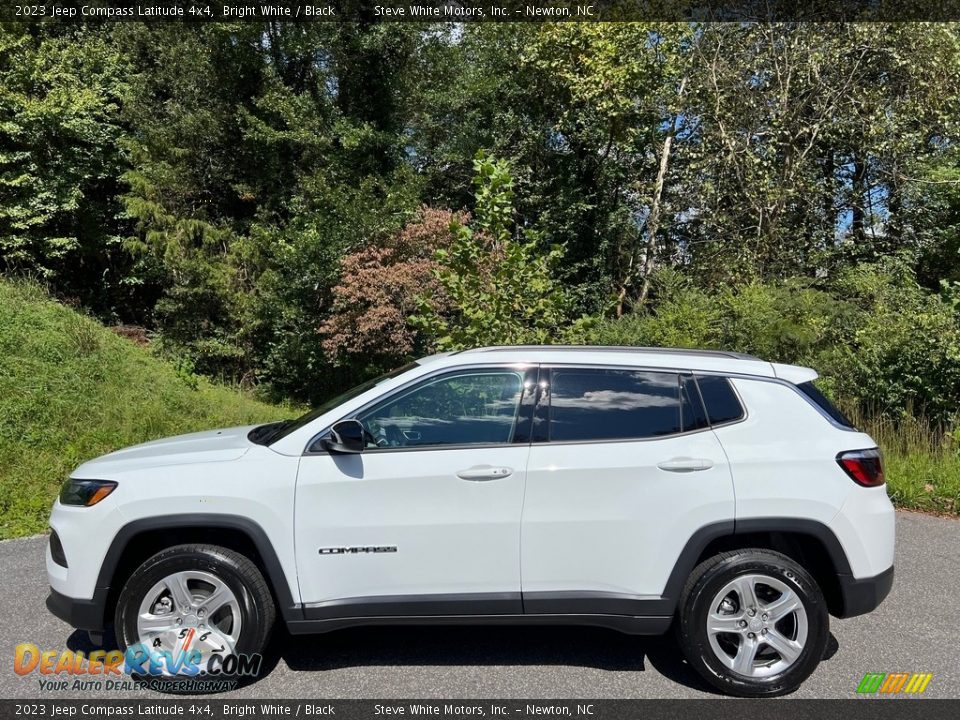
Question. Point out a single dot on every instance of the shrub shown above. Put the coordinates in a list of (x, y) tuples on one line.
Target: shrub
[(380, 288), (879, 341)]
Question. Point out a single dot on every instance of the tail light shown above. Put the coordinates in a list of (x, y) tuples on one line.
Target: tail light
[(863, 466)]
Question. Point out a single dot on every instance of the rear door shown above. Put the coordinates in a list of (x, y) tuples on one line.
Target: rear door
[(623, 470)]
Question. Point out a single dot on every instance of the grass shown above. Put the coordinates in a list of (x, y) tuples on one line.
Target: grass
[(921, 463), (70, 390)]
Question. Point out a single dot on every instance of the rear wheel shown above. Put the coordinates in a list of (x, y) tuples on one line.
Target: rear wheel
[(189, 607), (753, 623)]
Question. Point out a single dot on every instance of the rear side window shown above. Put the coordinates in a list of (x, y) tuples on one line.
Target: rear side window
[(588, 404), (814, 394), (719, 398)]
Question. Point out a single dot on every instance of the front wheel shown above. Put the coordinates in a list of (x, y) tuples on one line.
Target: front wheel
[(753, 623), (188, 608)]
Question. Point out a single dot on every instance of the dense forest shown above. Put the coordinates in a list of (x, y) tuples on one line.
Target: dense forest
[(294, 207)]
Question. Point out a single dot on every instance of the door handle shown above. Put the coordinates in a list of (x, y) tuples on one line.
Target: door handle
[(485, 472), (685, 464)]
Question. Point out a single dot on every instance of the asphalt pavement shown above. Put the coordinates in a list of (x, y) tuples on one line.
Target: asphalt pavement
[(917, 629)]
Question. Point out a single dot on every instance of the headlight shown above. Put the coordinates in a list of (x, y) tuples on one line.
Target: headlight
[(85, 492)]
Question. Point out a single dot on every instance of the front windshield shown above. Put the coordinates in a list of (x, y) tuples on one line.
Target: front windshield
[(290, 426)]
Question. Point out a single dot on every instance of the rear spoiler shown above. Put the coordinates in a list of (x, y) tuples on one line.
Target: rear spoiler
[(794, 373)]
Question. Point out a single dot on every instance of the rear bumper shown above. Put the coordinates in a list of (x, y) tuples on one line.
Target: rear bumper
[(861, 595), (81, 614)]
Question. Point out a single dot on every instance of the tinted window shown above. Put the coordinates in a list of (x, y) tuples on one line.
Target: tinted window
[(694, 417), (613, 404), (477, 407), (812, 392), (267, 434), (721, 401)]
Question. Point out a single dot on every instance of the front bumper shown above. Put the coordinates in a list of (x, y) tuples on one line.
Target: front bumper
[(81, 614), (862, 595)]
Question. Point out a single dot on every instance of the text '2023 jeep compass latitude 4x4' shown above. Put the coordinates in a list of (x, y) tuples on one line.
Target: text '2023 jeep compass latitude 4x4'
[(626, 488)]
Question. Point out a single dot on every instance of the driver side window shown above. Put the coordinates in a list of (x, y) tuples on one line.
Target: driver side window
[(478, 407)]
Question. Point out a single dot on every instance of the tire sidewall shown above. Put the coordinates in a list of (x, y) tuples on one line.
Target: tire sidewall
[(697, 642), (175, 560)]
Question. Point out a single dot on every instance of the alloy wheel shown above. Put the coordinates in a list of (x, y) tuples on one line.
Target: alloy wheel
[(757, 626), (189, 611)]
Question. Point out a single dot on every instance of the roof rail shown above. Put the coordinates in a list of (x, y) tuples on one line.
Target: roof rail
[(616, 348)]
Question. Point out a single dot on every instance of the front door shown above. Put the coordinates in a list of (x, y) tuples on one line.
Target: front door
[(427, 519)]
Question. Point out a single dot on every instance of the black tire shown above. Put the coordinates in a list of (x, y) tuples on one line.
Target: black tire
[(708, 579), (238, 572)]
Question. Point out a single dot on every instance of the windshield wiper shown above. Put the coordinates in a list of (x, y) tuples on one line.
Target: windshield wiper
[(264, 434)]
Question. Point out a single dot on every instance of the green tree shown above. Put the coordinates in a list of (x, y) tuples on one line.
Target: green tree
[(500, 288), (807, 137), (61, 158), (259, 161), (621, 91)]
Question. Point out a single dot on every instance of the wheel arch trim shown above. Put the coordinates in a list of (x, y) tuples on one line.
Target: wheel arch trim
[(800, 526), (276, 577), (701, 539)]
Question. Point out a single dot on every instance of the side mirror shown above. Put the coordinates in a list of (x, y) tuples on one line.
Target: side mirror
[(347, 436)]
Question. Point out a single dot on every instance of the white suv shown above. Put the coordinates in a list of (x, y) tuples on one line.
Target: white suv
[(628, 488)]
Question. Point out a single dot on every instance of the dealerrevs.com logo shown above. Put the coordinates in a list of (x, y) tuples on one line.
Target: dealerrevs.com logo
[(190, 670), (899, 683)]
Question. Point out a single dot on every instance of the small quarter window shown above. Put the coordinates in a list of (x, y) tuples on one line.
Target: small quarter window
[(719, 398), (813, 392)]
